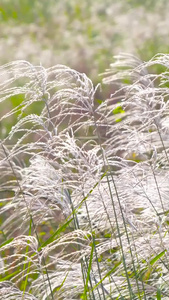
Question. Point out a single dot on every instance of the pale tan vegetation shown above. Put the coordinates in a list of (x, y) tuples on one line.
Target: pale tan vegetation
[(84, 183)]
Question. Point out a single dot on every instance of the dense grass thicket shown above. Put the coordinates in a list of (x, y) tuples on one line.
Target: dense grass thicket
[(82, 34), (84, 186)]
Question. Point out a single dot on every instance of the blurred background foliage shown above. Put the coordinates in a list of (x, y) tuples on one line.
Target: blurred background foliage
[(83, 35)]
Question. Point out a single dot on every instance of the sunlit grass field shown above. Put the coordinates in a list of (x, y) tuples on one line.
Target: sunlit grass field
[(84, 183), (82, 35)]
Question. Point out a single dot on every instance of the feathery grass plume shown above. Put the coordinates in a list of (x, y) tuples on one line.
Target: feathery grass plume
[(84, 183), (10, 292)]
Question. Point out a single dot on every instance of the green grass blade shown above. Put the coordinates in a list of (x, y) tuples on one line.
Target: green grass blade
[(84, 296), (108, 274), (157, 257), (29, 264), (6, 242), (9, 276), (158, 294), (57, 232)]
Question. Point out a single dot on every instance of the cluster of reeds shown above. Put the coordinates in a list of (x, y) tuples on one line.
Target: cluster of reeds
[(84, 185)]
